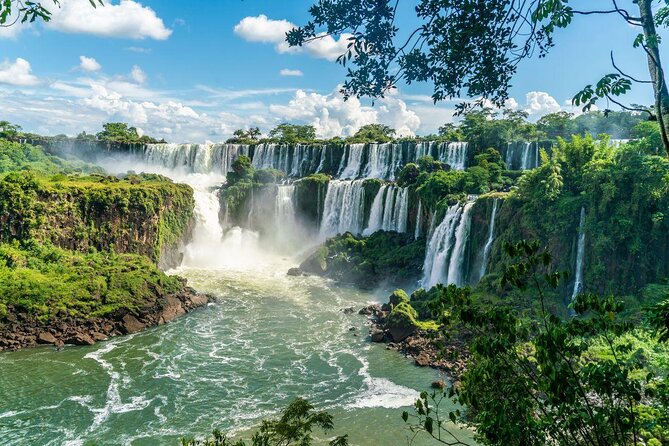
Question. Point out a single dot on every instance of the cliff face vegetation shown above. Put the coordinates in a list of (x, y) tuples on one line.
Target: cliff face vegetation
[(141, 214), (79, 250)]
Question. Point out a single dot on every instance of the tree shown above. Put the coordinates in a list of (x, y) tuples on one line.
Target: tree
[(9, 130), (557, 124), (293, 428), (472, 48), (253, 133), (121, 133), (14, 11), (373, 133), (451, 132), (541, 382), (292, 133)]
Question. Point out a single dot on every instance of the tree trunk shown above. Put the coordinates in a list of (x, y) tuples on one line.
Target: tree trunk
[(655, 69)]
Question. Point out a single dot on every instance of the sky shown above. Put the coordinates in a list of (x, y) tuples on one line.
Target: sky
[(196, 71)]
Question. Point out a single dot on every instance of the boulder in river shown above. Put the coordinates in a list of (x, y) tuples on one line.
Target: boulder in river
[(130, 324), (377, 335), (46, 338), (295, 272)]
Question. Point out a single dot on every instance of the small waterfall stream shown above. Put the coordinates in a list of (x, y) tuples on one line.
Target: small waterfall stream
[(580, 253), (522, 155), (446, 248), (491, 239)]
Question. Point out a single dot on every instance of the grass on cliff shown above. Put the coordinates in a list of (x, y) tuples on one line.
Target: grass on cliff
[(50, 283), (140, 213)]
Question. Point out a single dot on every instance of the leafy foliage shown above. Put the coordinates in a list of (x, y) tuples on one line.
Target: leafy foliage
[(293, 134), (373, 133), (293, 428), (546, 380), (121, 133), (50, 283), (367, 260)]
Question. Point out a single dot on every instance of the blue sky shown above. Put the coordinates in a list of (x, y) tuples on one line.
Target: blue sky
[(196, 73)]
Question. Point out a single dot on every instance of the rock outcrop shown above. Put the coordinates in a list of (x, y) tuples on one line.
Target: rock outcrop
[(21, 331)]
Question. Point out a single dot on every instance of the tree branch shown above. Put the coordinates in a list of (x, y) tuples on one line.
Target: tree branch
[(613, 62)]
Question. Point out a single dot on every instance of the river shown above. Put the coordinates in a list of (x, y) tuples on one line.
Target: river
[(269, 339)]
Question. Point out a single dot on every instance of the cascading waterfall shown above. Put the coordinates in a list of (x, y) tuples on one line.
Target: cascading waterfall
[(354, 162), (522, 155), (380, 161), (580, 252), (286, 229), (376, 213), (446, 248), (491, 238), (285, 209), (344, 208), (454, 154), (390, 210), (193, 158), (419, 220), (384, 161)]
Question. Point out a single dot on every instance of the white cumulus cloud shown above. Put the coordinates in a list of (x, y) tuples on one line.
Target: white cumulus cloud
[(89, 64), (332, 116), (288, 72), (265, 30), (17, 73), (539, 103), (128, 19)]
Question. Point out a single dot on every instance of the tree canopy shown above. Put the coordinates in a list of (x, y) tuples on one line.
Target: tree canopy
[(472, 48)]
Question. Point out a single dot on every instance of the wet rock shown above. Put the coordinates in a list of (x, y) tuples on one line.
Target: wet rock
[(199, 300), (172, 308), (295, 272), (349, 310), (369, 310), (439, 384), (130, 324), (423, 360), (46, 338), (99, 336), (81, 339), (377, 335)]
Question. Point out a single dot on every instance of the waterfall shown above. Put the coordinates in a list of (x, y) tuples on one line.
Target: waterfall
[(193, 158), (580, 252), (491, 239), (446, 247), (390, 210), (510, 152), (522, 155), (344, 208), (284, 209), (286, 230), (454, 154), (207, 233), (402, 210), (354, 164), (419, 220), (384, 161), (376, 213)]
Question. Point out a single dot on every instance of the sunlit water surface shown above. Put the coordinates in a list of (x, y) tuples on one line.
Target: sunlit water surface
[(270, 338)]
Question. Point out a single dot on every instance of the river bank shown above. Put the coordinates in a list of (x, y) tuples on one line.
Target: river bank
[(21, 330)]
